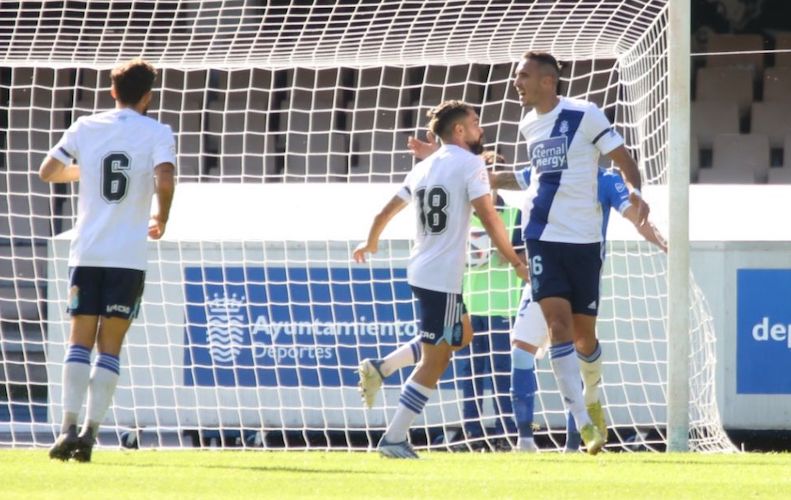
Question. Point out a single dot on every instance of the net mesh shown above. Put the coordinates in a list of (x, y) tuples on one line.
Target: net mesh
[(250, 342)]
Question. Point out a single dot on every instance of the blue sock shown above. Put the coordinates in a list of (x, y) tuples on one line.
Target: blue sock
[(573, 438), (523, 390)]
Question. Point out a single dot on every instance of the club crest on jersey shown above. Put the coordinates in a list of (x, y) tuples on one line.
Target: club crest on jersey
[(564, 127), (550, 155)]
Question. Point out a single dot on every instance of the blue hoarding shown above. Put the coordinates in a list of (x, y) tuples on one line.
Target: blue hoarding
[(291, 326), (763, 348)]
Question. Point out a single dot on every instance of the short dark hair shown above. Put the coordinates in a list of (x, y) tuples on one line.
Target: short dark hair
[(545, 59), (445, 115), (132, 80)]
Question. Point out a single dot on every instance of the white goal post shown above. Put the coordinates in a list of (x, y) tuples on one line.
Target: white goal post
[(291, 124)]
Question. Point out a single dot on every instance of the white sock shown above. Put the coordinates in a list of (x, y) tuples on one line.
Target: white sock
[(104, 378), (406, 355), (76, 374), (590, 366), (526, 444), (411, 403), (567, 374)]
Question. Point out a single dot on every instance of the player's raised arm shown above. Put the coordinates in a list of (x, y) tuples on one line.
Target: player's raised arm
[(494, 227), (420, 149), (371, 245)]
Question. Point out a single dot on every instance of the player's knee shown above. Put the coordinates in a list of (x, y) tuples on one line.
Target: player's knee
[(585, 345), (522, 359), (523, 346), (559, 328)]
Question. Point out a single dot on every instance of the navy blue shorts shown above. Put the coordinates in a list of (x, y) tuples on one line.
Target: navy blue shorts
[(571, 271), (105, 291), (440, 316)]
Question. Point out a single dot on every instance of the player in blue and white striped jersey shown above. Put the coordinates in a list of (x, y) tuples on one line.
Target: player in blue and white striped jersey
[(530, 329), (562, 224)]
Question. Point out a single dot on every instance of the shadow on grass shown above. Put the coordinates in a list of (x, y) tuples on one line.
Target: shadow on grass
[(251, 468)]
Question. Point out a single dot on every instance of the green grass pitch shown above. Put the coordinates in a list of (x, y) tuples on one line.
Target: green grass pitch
[(255, 474)]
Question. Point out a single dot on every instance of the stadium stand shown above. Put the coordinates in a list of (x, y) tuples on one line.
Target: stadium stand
[(762, 94), (731, 84), (710, 118), (750, 47), (783, 42), (777, 84), (772, 120), (738, 159)]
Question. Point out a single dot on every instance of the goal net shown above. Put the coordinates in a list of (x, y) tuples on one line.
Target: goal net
[(291, 125)]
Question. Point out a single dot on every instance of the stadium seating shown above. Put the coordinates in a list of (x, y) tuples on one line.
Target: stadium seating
[(737, 159), (777, 84), (694, 159), (772, 119), (787, 149), (783, 42), (710, 118), (732, 78), (736, 43), (726, 84), (780, 175)]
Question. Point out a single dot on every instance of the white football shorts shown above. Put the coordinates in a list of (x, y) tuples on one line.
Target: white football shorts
[(530, 325)]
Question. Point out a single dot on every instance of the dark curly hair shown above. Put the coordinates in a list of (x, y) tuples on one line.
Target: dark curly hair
[(132, 80), (445, 115)]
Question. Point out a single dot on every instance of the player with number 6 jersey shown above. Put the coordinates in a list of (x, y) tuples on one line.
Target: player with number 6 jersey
[(120, 158), (562, 225), (445, 187)]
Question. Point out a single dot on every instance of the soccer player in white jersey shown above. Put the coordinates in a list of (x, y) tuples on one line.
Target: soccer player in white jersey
[(120, 158), (562, 225), (445, 187)]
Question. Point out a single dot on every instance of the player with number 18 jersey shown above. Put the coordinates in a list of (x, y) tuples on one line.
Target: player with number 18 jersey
[(443, 186)]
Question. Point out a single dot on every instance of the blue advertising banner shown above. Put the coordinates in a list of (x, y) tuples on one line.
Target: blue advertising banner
[(763, 348), (291, 326)]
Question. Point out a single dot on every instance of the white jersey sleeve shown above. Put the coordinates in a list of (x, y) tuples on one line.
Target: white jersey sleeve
[(478, 181), (405, 192), (599, 131), (66, 150)]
